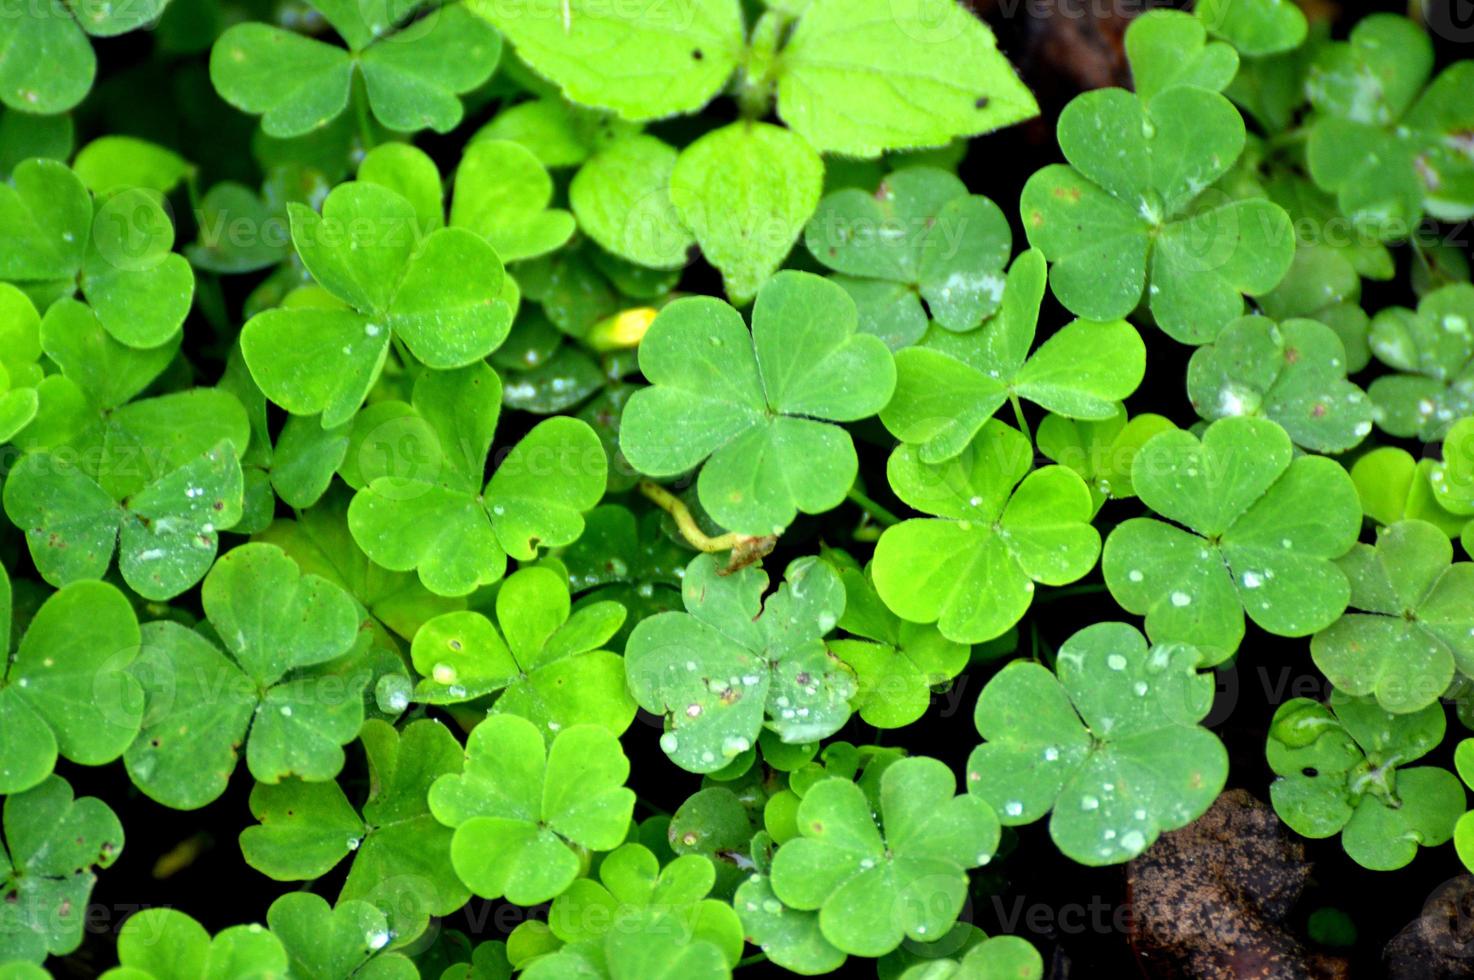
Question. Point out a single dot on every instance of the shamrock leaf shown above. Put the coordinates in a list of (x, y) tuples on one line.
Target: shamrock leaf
[(876, 886), (791, 938), (948, 387), (502, 193), (436, 517), (440, 294), (110, 164), (977, 955), (1385, 145), (920, 235), (745, 191), (730, 663), (853, 72), (119, 256), (650, 943), (1432, 351), (52, 844), (548, 664), (1343, 769), (1100, 451), (1414, 627), (166, 944), (631, 881), (1130, 211), (521, 807), (644, 63), (412, 69), (20, 354), (1168, 48), (65, 689), (1452, 479), (1393, 487), (1112, 745), (200, 703), (61, 79), (401, 854), (621, 196), (1000, 527), (1293, 373), (339, 942), (897, 670), (1255, 27), (760, 405), (1263, 530)]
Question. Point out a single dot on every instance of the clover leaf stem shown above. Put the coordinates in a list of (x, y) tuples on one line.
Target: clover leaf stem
[(685, 522), (1018, 414), (875, 511)]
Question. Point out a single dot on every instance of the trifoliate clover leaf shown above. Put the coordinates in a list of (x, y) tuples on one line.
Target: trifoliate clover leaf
[(412, 69), (521, 807), (761, 404), (745, 192), (621, 196), (440, 295), (1255, 27), (549, 666), (1393, 487), (875, 886), (1343, 769), (1000, 527), (631, 881), (651, 944), (65, 690), (1168, 47), (1432, 349), (200, 702), (1414, 624), (97, 372), (853, 72), (1100, 451), (437, 519), (401, 854), (119, 257), (502, 193), (949, 386), (1112, 747), (920, 235), (345, 942), (20, 354), (1386, 146), (1263, 530), (644, 63), (730, 663), (1130, 215), (51, 845), (897, 664), (1292, 373), (166, 944), (791, 938)]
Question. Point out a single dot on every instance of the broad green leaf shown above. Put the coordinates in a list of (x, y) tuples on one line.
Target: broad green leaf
[(1112, 746), (760, 405)]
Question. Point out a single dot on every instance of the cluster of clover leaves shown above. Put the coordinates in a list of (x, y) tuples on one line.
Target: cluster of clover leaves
[(258, 499)]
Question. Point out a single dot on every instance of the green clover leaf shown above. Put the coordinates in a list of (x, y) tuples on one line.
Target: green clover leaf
[(745, 192), (791, 938), (20, 354), (52, 844), (651, 944), (761, 404), (626, 560), (874, 886), (948, 387), (110, 164), (1432, 351), (430, 513), (200, 703), (559, 133), (1292, 373), (1000, 527), (1130, 215), (365, 250), (965, 952), (920, 235), (897, 664), (1255, 27), (1385, 145), (401, 854), (548, 664), (1393, 487), (66, 689), (166, 944), (339, 942), (621, 196), (120, 258), (1452, 479), (412, 69), (62, 77), (521, 807), (730, 663), (632, 882), (1168, 48), (1263, 530), (1343, 769), (1100, 451), (1415, 620), (501, 193), (1112, 746)]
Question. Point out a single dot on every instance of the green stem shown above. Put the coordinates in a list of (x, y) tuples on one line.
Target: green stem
[(753, 960), (1089, 588), (1018, 414), (877, 513), (361, 113)]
